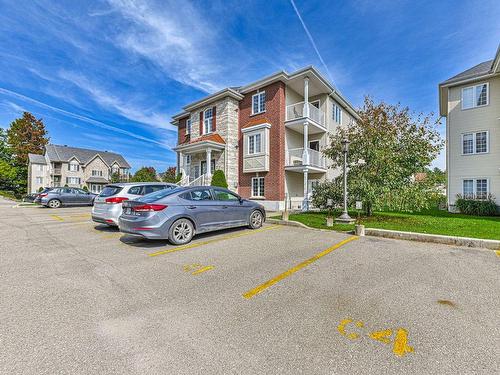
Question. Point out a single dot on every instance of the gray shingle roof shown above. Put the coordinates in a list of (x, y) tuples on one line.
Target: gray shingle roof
[(97, 180), (475, 71), (65, 153), (37, 159)]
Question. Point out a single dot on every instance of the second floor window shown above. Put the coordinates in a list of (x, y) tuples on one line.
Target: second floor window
[(475, 143), (96, 173), (188, 126), (254, 144), (259, 102), (475, 96), (73, 167), (208, 121), (337, 114), (39, 180)]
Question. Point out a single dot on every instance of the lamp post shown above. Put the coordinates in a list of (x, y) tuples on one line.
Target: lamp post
[(344, 217)]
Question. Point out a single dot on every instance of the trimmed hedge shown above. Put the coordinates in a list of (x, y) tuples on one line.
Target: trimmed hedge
[(219, 179), (477, 207)]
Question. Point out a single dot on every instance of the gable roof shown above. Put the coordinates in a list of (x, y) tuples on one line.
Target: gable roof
[(64, 154), (37, 159), (485, 69)]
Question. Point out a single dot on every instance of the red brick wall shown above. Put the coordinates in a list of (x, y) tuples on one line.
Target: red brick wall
[(181, 133), (274, 180)]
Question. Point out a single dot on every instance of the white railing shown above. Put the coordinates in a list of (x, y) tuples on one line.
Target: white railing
[(203, 180), (296, 111), (294, 157)]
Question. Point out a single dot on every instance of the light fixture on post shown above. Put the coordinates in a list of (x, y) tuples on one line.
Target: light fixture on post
[(345, 218)]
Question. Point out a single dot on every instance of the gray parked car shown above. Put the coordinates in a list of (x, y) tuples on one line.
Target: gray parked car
[(108, 204), (179, 214), (67, 196)]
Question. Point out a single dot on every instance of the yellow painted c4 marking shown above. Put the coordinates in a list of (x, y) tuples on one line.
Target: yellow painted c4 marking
[(197, 244), (58, 218), (401, 346), (298, 267), (341, 328)]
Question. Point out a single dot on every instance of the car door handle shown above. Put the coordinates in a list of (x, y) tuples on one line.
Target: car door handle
[(191, 207)]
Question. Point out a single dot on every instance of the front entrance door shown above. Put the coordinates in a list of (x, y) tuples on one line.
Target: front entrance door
[(204, 166)]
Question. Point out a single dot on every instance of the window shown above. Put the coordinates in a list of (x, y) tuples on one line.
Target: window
[(314, 145), (257, 186), (254, 144), (39, 180), (40, 167), (475, 143), (96, 173), (188, 159), (73, 167), (135, 190), (73, 180), (475, 188), (259, 103), (336, 114), (198, 195), (153, 188), (222, 195), (475, 96), (188, 126), (208, 121)]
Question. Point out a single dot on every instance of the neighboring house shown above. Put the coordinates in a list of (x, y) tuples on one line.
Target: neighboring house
[(75, 167), (470, 101), (266, 136)]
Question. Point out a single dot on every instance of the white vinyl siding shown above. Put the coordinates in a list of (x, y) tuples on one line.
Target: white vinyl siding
[(475, 188), (259, 103), (475, 96), (475, 143), (258, 187)]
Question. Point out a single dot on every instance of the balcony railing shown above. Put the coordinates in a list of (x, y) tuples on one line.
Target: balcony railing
[(296, 111), (56, 171), (294, 158)]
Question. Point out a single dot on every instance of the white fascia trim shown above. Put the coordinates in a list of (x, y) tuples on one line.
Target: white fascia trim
[(201, 144), (467, 80), (256, 127), (95, 156)]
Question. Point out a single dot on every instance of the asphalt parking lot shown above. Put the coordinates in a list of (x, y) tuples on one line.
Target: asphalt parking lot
[(79, 298)]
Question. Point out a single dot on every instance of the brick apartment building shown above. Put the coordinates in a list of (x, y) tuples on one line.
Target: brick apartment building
[(266, 136)]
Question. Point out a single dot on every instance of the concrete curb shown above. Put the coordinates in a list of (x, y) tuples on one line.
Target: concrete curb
[(410, 236), (435, 238)]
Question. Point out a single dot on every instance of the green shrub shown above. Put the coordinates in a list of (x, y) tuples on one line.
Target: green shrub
[(486, 207), (219, 179), (328, 190), (85, 188), (40, 189)]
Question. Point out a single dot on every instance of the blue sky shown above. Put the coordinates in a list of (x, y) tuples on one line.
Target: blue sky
[(110, 74)]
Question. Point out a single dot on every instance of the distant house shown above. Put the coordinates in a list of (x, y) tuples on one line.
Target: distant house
[(75, 167), (470, 101)]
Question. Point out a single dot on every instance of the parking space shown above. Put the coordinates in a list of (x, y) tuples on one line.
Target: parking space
[(79, 297)]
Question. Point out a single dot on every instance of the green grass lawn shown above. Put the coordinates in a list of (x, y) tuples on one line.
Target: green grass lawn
[(432, 222)]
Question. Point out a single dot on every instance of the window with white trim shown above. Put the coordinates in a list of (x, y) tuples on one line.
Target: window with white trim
[(475, 188), (336, 113), (475, 143), (208, 120), (254, 144), (73, 180), (475, 96), (40, 167), (39, 180), (188, 159), (73, 166), (96, 173), (188, 126), (258, 187), (259, 102)]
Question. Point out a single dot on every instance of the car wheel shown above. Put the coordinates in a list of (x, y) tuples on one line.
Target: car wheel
[(54, 203), (256, 219), (181, 232)]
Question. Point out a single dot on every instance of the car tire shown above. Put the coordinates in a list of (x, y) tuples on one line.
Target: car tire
[(181, 232), (54, 203), (256, 219)]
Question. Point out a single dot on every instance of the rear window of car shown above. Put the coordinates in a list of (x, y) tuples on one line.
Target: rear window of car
[(148, 189), (135, 190), (108, 191), (160, 194)]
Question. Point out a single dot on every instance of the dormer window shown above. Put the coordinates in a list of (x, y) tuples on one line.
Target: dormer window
[(208, 121), (259, 103), (475, 96)]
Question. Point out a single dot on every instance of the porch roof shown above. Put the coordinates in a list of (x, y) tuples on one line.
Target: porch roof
[(209, 140)]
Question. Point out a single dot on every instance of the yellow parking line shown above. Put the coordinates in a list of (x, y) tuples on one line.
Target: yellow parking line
[(298, 267), (196, 244), (59, 218), (497, 252), (201, 270)]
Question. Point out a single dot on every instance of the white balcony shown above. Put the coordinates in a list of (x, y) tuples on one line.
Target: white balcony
[(294, 160), (295, 118)]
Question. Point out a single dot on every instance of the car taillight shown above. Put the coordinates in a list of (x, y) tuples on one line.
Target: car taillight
[(115, 200), (149, 207), (42, 195)]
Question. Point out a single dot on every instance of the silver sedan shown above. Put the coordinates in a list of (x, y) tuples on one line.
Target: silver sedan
[(179, 214)]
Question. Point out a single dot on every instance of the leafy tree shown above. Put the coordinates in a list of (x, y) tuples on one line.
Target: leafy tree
[(40, 189), (171, 176), (5, 151), (145, 174), (394, 144), (8, 175), (328, 190), (115, 177), (219, 179)]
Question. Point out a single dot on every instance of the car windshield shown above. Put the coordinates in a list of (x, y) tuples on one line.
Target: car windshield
[(160, 194), (108, 191)]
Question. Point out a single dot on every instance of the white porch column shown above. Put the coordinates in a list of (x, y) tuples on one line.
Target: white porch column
[(209, 162), (306, 97), (305, 153), (181, 163), (305, 202)]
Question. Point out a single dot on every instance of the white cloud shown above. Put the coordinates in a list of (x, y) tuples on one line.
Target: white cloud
[(175, 37)]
